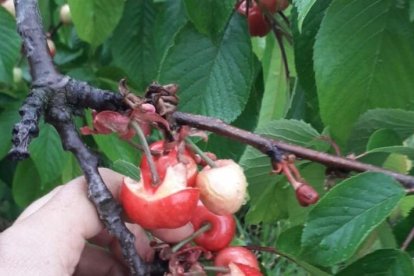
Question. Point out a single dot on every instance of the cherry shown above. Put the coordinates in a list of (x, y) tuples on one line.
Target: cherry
[(222, 189), (170, 206), (221, 232), (306, 195), (65, 15), (165, 160), (239, 256), (258, 26)]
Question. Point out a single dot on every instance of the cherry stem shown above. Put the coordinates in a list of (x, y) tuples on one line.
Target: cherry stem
[(155, 178), (216, 269), (197, 150), (206, 227)]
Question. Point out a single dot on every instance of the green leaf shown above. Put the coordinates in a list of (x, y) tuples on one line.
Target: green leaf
[(276, 95), (26, 183), (47, 154), (383, 262), (143, 37), (403, 229), (9, 46), (383, 138), (304, 7), (303, 49), (399, 121), (95, 20), (346, 215), (115, 148), (363, 57), (71, 169), (209, 16), (268, 206), (411, 9), (218, 78), (128, 169), (9, 117)]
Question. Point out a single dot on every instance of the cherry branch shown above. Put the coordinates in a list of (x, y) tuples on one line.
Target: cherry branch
[(58, 98), (269, 146)]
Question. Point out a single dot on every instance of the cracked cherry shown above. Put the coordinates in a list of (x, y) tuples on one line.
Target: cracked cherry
[(171, 205), (221, 232), (165, 160)]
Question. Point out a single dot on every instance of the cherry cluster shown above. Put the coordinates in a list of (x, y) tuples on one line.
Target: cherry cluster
[(188, 211), (256, 14), (185, 197)]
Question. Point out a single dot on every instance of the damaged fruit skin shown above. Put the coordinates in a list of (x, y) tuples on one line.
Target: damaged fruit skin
[(165, 160), (171, 206)]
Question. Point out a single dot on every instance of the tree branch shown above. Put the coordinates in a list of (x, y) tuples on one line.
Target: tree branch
[(267, 145)]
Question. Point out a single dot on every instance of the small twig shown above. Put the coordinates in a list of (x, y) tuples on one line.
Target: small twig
[(408, 240)]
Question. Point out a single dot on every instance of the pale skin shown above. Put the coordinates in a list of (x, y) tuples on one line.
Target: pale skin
[(60, 234)]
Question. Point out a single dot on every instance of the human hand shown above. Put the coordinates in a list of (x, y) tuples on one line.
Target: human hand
[(49, 237)]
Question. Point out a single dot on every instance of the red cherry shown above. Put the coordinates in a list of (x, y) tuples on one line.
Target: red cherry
[(165, 160), (258, 26), (239, 256), (221, 232), (171, 206), (270, 4), (306, 195)]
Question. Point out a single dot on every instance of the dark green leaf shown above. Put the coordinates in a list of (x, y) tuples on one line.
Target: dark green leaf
[(143, 37), (128, 169), (209, 16), (303, 47), (399, 121), (386, 262), (345, 216), (403, 229), (304, 7), (47, 154), (26, 183), (363, 58), (9, 117), (95, 20), (215, 77), (9, 46)]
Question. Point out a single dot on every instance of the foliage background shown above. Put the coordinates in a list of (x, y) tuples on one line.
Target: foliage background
[(351, 78)]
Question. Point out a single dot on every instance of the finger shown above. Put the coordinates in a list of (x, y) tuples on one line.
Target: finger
[(96, 261), (57, 230)]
